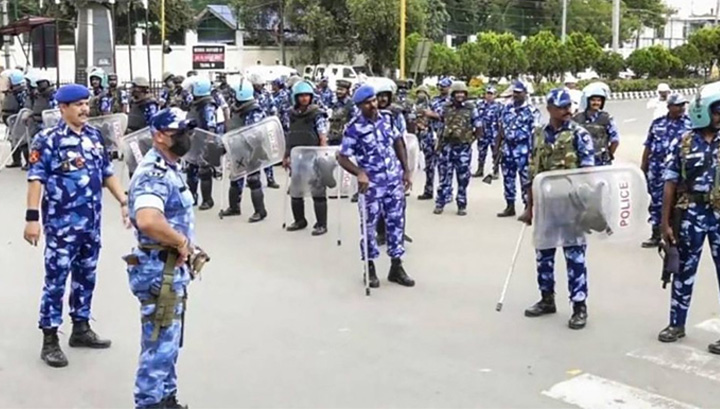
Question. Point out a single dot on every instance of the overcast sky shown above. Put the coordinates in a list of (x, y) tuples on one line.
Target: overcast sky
[(685, 7)]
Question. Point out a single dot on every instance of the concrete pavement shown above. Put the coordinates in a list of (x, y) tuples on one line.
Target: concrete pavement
[(281, 320)]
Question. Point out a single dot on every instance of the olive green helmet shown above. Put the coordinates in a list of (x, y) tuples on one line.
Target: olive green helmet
[(458, 86)]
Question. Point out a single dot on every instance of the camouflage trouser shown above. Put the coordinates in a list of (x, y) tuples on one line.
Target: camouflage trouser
[(388, 203), (453, 157), (698, 223), (516, 157), (270, 174), (656, 185), (78, 257), (576, 270), (487, 141), (156, 377), (427, 144)]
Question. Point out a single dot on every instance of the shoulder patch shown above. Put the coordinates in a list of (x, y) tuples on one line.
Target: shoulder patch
[(156, 173)]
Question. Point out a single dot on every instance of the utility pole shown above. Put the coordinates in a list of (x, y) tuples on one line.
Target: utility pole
[(717, 12), (402, 39), (564, 24), (616, 26), (5, 22), (162, 36), (282, 31)]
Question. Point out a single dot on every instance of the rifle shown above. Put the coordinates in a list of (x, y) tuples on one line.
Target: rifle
[(669, 252)]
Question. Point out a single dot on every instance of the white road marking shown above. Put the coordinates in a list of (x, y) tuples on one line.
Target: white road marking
[(593, 392), (710, 325), (629, 120), (686, 359)]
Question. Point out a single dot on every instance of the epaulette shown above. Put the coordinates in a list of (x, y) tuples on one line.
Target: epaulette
[(159, 168)]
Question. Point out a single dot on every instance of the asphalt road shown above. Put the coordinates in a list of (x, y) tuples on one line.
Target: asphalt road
[(281, 319)]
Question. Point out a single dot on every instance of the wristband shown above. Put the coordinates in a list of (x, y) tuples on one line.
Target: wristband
[(32, 215)]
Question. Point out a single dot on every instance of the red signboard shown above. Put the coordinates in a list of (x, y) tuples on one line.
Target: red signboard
[(208, 57)]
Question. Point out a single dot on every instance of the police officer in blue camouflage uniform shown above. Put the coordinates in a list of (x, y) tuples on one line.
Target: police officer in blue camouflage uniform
[(117, 99), (265, 101), (158, 269), (167, 90), (436, 124), (245, 112), (15, 100), (663, 132), (691, 204), (325, 94), (223, 107), (517, 122), (489, 110), (308, 127), (383, 176), (560, 144), (600, 124), (69, 168), (461, 125), (202, 111)]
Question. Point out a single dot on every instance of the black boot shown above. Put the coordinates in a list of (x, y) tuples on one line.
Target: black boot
[(462, 211), (671, 334), (480, 171), (714, 348), (381, 230), (171, 402), (321, 211), (508, 211), (654, 240), (258, 201), (83, 336), (206, 191), (51, 353), (425, 196), (272, 184), (193, 187), (545, 306), (579, 316), (496, 175), (438, 210), (372, 276), (397, 274), (17, 159), (233, 202), (298, 210), (354, 198)]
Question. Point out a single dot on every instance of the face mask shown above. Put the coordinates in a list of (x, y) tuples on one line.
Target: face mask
[(181, 143)]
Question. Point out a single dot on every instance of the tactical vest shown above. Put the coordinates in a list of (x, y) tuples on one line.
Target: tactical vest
[(10, 106), (419, 122), (136, 117), (550, 157), (685, 195), (340, 117), (238, 116), (302, 132), (197, 110), (458, 123), (41, 103), (116, 95), (598, 132)]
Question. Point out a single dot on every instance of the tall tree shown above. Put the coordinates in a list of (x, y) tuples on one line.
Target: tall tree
[(376, 24), (583, 51)]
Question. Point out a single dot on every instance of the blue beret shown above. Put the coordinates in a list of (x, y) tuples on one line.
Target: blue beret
[(363, 93), (71, 93), (559, 97)]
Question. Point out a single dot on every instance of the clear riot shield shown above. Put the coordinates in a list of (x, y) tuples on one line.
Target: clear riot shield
[(313, 170), (50, 118), (607, 202), (112, 127), (19, 127), (412, 145), (252, 148), (206, 149), (134, 146)]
